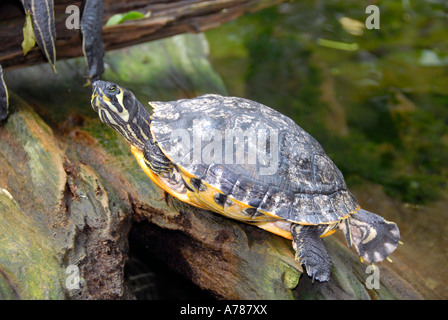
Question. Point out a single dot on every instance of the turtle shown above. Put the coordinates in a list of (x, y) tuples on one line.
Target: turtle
[(40, 14), (248, 162)]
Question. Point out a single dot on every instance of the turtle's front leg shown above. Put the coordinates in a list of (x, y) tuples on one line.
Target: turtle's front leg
[(310, 251), (155, 158)]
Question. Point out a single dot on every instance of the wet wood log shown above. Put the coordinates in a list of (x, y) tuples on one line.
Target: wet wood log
[(167, 18), (70, 190), (62, 233)]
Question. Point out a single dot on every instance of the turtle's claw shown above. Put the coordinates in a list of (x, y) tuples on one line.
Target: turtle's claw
[(321, 273), (311, 252)]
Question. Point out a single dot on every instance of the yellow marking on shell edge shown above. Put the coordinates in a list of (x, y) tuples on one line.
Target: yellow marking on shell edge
[(152, 106), (232, 209), (138, 154), (353, 211), (206, 199), (328, 233), (271, 227)]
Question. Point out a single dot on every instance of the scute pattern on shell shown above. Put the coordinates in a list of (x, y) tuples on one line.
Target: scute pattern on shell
[(305, 187)]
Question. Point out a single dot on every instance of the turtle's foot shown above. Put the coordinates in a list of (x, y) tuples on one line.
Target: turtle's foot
[(311, 252), (373, 237)]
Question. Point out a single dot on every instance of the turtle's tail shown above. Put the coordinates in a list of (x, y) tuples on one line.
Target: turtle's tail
[(373, 237)]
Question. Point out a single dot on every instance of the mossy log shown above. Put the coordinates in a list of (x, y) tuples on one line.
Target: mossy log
[(70, 191), (55, 214)]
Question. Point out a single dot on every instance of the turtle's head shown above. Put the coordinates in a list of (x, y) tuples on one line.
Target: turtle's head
[(114, 104), (119, 108)]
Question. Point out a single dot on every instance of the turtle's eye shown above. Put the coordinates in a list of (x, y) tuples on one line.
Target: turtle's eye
[(112, 88)]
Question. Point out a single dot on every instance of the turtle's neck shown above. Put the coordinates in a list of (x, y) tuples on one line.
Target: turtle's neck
[(138, 125)]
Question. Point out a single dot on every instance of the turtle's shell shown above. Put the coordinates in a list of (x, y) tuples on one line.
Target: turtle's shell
[(284, 172)]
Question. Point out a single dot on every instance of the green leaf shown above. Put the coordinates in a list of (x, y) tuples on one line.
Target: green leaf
[(115, 19), (131, 15), (29, 41)]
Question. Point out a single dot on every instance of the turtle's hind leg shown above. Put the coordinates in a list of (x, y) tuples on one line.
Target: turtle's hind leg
[(310, 251), (373, 237)]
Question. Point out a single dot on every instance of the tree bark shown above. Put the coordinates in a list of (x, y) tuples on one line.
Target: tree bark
[(167, 18)]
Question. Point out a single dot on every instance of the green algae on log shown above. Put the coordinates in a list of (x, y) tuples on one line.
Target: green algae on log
[(55, 215)]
